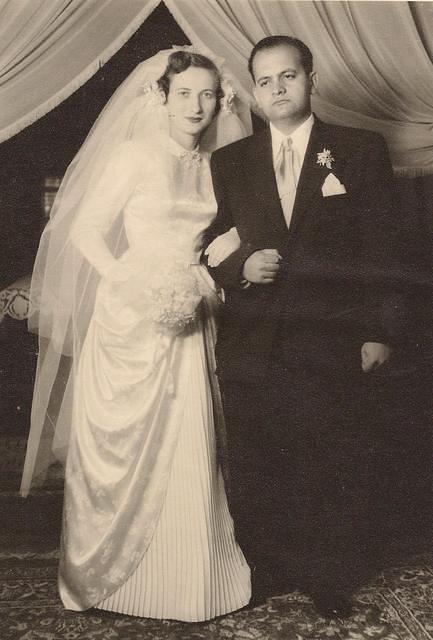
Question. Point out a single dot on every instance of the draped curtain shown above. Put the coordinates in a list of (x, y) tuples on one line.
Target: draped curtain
[(49, 48), (374, 58)]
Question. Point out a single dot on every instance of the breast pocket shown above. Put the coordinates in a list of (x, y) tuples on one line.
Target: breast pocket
[(334, 227), (335, 209), (338, 200)]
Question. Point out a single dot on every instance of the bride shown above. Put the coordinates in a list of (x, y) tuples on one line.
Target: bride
[(146, 527)]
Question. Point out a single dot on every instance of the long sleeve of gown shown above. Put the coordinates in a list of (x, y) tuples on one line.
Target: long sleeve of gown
[(102, 204)]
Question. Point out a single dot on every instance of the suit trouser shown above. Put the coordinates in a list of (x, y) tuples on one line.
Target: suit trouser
[(311, 472)]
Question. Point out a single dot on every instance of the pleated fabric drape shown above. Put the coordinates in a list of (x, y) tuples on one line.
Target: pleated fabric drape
[(374, 60), (50, 48)]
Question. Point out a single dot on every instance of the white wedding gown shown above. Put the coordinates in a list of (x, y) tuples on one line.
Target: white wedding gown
[(147, 530)]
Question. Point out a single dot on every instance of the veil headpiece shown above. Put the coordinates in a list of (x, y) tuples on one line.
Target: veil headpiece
[(64, 284)]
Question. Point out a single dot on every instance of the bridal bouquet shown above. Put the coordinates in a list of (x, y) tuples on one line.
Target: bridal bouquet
[(172, 297)]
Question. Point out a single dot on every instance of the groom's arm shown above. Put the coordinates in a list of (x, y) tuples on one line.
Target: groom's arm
[(382, 263), (229, 273)]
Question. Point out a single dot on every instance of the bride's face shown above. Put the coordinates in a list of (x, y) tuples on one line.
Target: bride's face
[(191, 103)]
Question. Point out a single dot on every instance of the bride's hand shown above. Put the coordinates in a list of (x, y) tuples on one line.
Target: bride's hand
[(223, 246)]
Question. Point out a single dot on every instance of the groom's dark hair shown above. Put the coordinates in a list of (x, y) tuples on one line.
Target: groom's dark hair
[(276, 41)]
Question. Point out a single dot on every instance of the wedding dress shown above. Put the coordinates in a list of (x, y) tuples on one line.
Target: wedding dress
[(146, 529), (125, 394)]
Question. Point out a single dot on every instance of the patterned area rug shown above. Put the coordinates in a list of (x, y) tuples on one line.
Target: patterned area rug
[(397, 606)]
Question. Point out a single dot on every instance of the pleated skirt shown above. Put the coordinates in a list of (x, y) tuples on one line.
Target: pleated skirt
[(193, 569)]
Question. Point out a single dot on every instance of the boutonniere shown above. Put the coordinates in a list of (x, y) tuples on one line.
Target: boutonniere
[(325, 159)]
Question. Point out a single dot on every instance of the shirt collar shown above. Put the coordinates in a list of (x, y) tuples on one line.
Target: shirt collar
[(299, 136)]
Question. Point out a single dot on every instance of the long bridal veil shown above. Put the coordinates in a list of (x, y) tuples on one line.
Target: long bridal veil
[(64, 284)]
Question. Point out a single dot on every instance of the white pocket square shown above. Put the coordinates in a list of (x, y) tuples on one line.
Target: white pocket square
[(332, 186)]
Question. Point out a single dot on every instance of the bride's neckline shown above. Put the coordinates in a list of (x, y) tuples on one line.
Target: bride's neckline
[(177, 150)]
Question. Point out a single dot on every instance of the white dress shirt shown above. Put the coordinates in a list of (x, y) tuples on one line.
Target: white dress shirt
[(299, 137)]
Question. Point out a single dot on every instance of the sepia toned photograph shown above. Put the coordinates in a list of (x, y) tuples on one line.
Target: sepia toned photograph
[(216, 320)]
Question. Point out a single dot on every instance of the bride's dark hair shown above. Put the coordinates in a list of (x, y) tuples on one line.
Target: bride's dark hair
[(180, 61)]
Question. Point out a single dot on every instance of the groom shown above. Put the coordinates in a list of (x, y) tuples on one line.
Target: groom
[(308, 300)]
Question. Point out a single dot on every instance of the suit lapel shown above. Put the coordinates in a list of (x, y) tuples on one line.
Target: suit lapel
[(264, 190), (312, 174), (264, 185)]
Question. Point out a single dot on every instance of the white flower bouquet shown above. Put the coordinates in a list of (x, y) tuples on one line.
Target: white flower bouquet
[(172, 297)]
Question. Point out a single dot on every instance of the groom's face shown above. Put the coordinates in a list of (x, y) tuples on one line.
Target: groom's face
[(282, 86)]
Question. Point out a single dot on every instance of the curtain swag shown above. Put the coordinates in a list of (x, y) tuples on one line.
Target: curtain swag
[(367, 78), (50, 48)]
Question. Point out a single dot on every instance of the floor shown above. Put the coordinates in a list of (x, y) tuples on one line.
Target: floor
[(396, 605)]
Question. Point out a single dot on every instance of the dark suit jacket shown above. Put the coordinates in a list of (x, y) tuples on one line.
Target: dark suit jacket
[(336, 286)]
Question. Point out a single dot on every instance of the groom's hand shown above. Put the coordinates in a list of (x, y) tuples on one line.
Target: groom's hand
[(262, 266), (373, 354)]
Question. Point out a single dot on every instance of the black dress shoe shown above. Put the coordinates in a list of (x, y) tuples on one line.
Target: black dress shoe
[(267, 584), (333, 605)]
